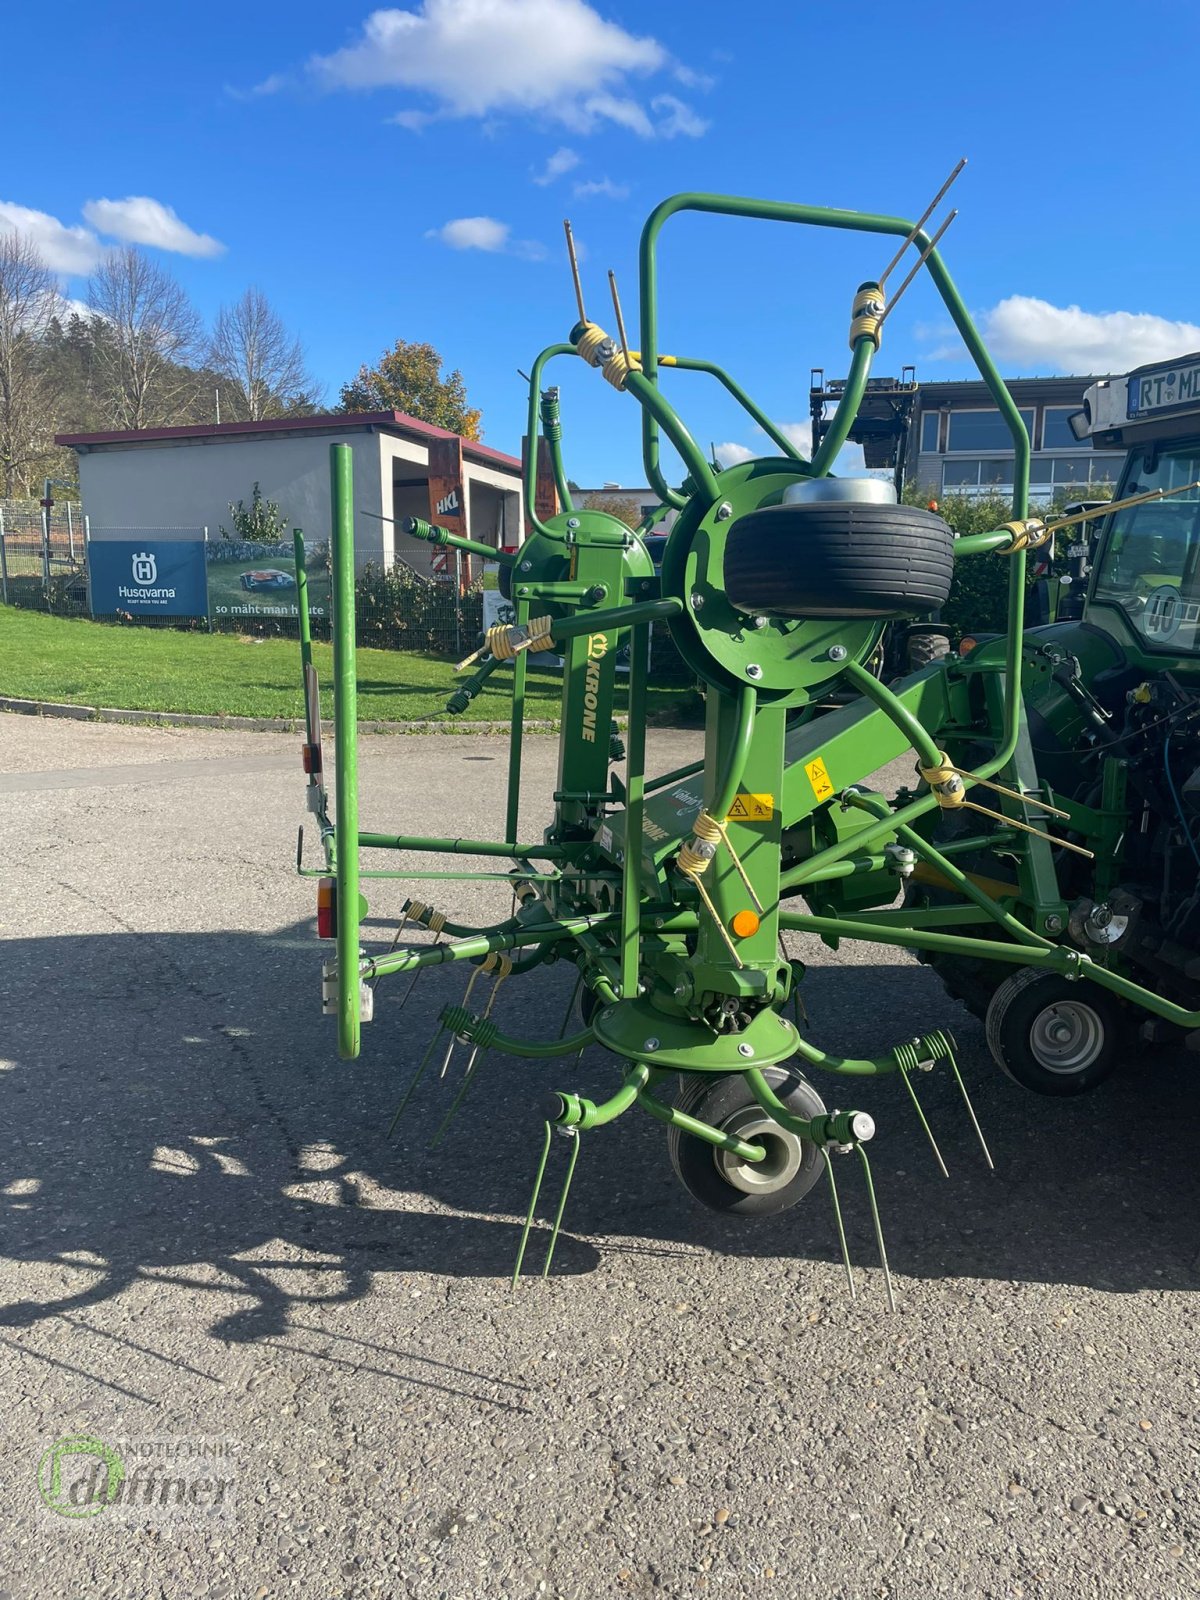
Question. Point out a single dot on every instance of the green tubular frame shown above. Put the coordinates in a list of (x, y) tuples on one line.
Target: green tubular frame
[(345, 701)]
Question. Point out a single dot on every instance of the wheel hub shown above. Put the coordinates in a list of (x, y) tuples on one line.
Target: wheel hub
[(783, 1160), (1066, 1037)]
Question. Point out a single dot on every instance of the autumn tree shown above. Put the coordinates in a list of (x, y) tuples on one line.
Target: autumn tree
[(409, 378), (261, 362), (147, 334), (28, 300)]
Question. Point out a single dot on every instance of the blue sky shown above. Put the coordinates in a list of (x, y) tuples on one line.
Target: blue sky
[(321, 153)]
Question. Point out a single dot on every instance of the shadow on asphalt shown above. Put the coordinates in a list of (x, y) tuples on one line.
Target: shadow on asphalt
[(174, 1109)]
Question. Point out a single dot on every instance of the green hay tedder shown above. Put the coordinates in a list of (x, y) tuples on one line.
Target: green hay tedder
[(1042, 858)]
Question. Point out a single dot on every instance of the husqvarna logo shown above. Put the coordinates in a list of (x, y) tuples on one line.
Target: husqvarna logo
[(145, 567)]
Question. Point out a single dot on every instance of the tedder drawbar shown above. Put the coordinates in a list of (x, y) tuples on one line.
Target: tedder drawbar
[(1041, 859)]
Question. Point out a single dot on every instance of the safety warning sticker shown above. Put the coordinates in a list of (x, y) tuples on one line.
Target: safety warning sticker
[(752, 808), (819, 778)]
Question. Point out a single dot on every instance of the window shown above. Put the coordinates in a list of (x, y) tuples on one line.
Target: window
[(1149, 567), (929, 431), (1056, 434), (982, 430), (977, 477)]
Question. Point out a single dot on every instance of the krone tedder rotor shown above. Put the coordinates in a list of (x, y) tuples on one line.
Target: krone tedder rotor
[(669, 892)]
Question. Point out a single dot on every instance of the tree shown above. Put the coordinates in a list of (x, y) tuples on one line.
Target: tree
[(409, 379), (147, 334), (621, 506), (253, 351), (28, 300), (259, 523)]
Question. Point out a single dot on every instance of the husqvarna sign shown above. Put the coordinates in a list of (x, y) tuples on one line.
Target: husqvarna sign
[(148, 577)]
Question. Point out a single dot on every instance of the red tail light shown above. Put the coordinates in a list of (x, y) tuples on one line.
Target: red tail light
[(312, 759), (326, 908)]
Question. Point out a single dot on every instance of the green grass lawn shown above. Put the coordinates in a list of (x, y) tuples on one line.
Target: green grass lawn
[(157, 669)]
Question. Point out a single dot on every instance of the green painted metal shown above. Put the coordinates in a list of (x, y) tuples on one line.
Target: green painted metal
[(847, 408), (681, 971), (772, 430), (345, 712)]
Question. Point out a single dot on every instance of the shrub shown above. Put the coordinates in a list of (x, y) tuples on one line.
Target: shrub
[(400, 610)]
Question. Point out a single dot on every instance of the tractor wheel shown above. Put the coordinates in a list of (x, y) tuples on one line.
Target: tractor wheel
[(839, 559), (923, 649), (1053, 1036), (740, 1188)]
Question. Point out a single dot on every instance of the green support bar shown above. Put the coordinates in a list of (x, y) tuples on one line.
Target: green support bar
[(345, 702), (847, 409), (635, 780)]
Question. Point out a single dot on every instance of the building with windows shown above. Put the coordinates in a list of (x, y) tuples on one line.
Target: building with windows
[(958, 442)]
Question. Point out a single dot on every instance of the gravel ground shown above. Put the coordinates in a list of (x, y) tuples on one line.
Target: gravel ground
[(208, 1237)]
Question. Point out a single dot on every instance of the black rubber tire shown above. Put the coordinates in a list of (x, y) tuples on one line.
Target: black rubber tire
[(839, 559), (923, 649), (1022, 1007), (718, 1101)]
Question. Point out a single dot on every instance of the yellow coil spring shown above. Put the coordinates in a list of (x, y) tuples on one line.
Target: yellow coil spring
[(418, 911), (945, 782), (614, 367), (505, 641), (866, 315), (1029, 534), (693, 861)]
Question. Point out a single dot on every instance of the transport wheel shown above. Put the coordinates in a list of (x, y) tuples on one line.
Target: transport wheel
[(717, 1178), (1052, 1036), (831, 559), (923, 649)]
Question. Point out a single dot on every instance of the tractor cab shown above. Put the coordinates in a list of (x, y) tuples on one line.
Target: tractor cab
[(1145, 587)]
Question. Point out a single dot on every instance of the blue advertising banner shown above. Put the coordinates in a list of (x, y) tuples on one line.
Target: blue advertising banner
[(148, 577)]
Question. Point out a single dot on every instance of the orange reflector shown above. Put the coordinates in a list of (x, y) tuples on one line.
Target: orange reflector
[(744, 923), (312, 759), (326, 908), (966, 644)]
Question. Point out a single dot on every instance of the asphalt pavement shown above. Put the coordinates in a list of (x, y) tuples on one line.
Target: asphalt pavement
[(212, 1252)]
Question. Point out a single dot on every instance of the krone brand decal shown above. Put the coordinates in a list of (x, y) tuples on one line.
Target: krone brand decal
[(597, 650)]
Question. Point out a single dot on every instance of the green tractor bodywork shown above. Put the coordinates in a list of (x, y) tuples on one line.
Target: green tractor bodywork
[(1041, 858)]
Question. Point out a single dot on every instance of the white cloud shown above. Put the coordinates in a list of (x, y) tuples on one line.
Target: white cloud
[(601, 186), (270, 85), (679, 118), (140, 220), (1034, 335), (800, 434), (555, 58), (729, 454), (563, 160), (488, 234), (73, 250), (849, 464)]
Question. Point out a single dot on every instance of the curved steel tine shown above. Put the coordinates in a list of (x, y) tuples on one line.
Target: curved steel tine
[(883, 1260), (924, 1121), (417, 1076), (458, 1099), (841, 1226), (576, 1143), (962, 1089), (407, 995), (562, 1032), (533, 1200)]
